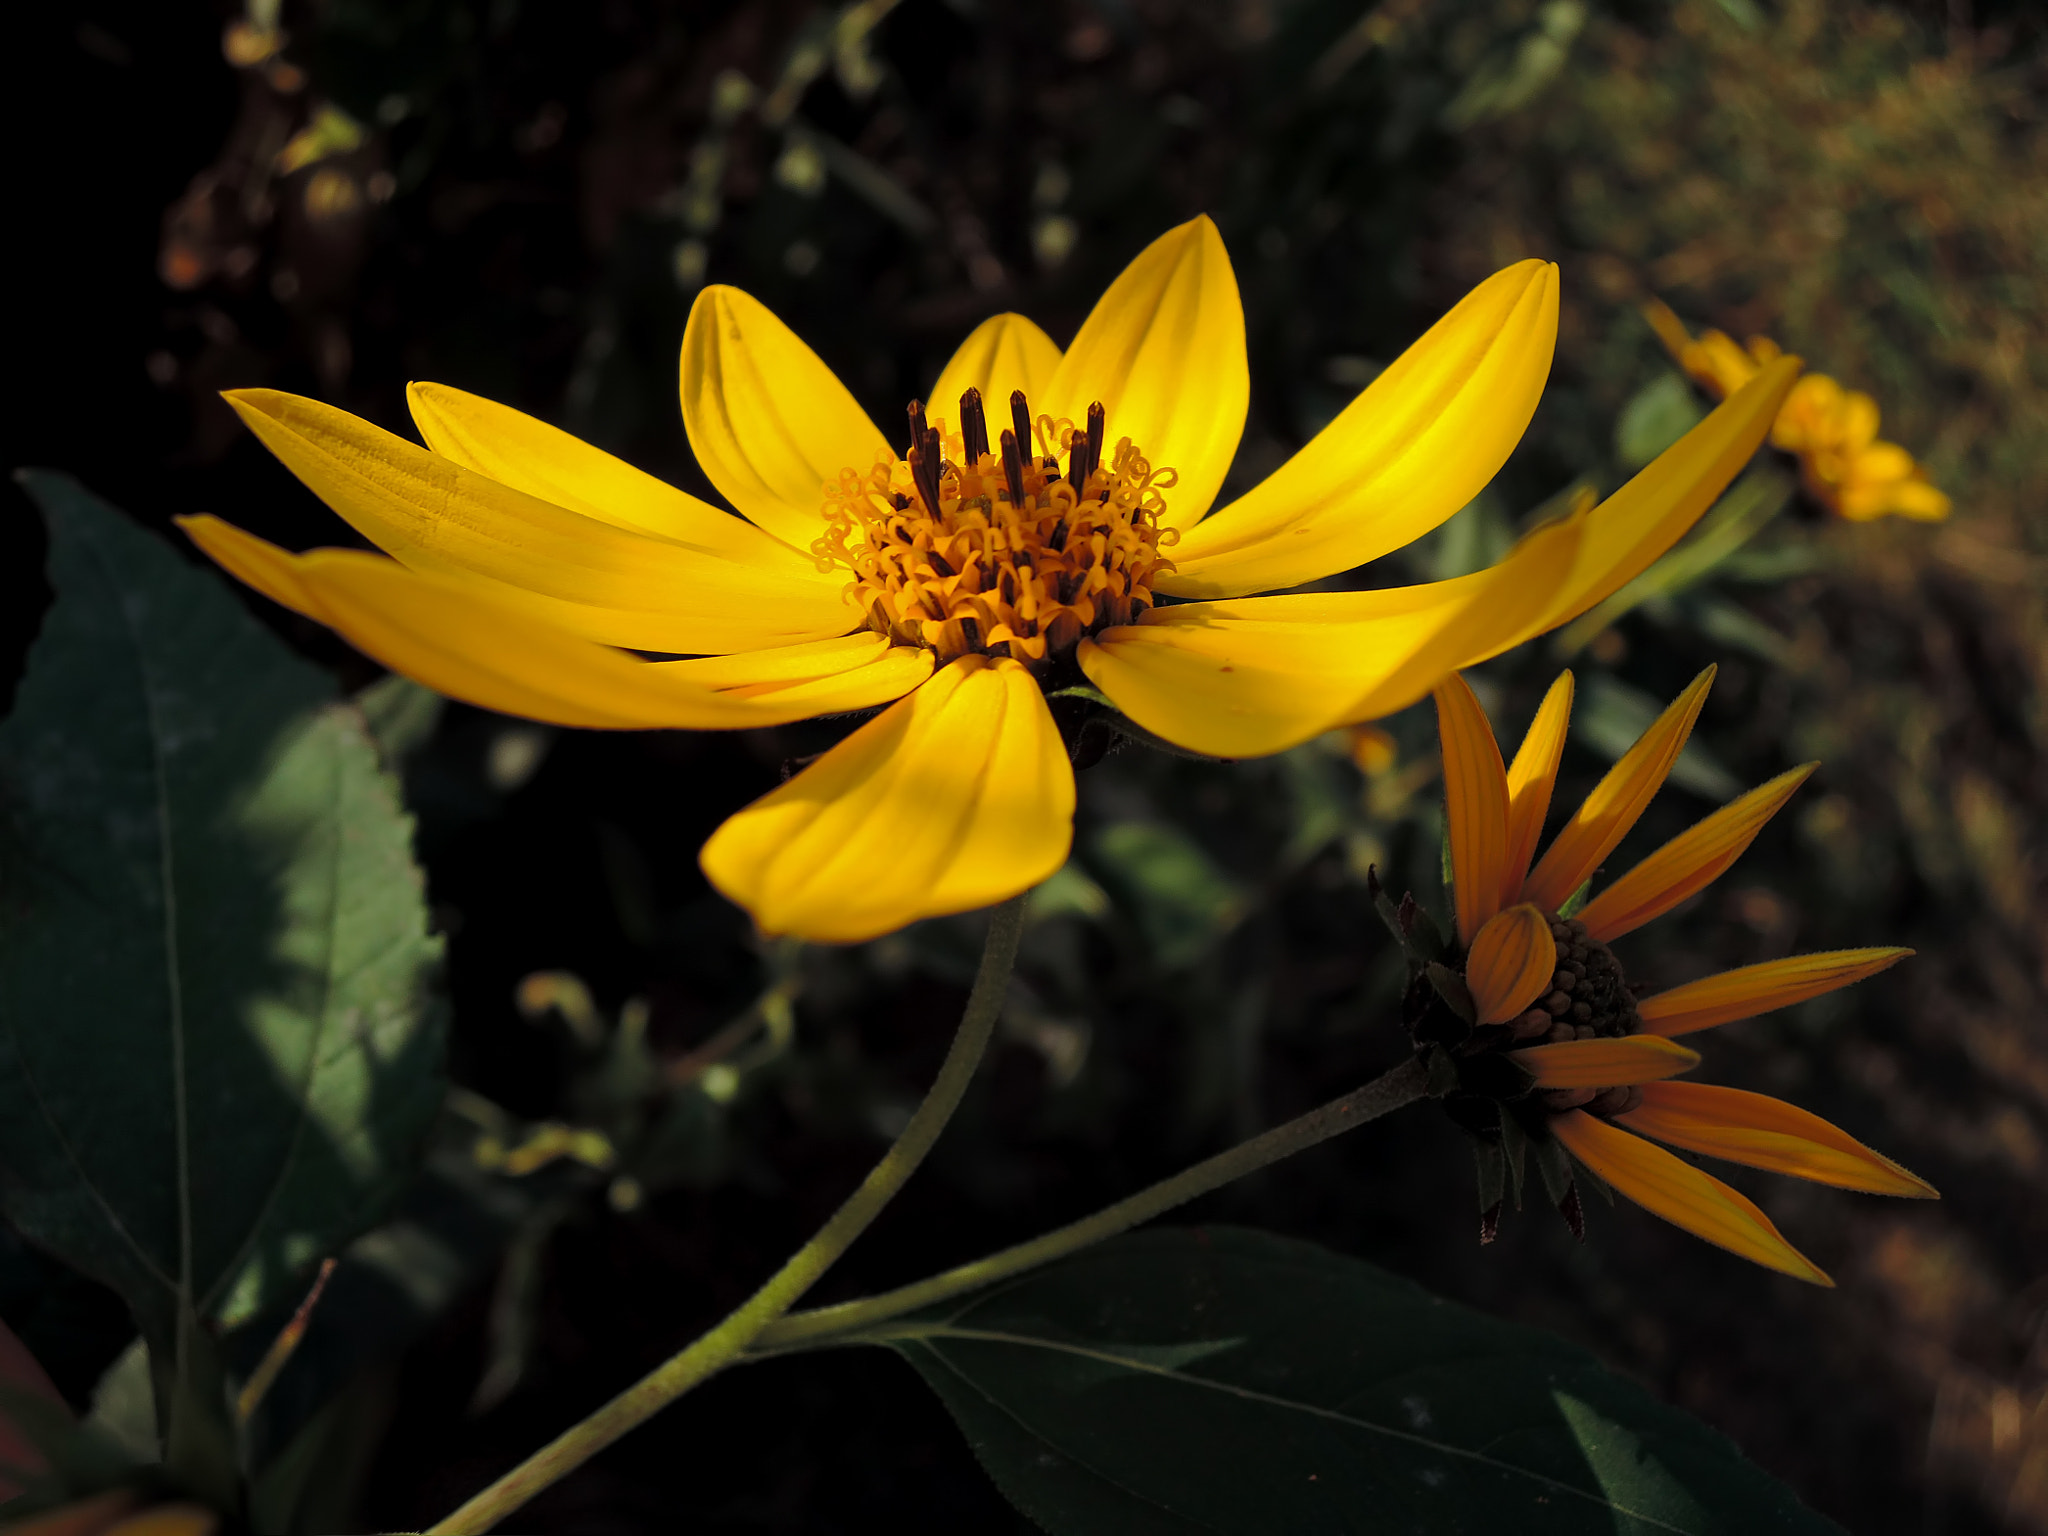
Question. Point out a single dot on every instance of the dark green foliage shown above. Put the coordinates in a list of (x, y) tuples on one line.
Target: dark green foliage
[(1217, 1379)]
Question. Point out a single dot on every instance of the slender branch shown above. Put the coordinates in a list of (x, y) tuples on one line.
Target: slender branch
[(1388, 1092), (725, 1343)]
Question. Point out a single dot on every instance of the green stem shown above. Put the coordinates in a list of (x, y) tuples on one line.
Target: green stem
[(725, 1343), (1390, 1091)]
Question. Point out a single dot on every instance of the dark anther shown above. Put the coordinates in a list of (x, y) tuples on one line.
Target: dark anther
[(1097, 421), (1077, 464), (1013, 464), (970, 628), (973, 426), (915, 411), (924, 470), (902, 502), (1020, 419)]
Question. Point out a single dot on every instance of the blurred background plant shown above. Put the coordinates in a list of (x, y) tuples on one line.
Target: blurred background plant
[(521, 198)]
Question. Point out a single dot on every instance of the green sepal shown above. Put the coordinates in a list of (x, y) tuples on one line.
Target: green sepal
[(1410, 924), (1491, 1168), (1423, 934), (1555, 1165), (1588, 1176), (1514, 1146), (1576, 900), (1450, 986), (1443, 1072)]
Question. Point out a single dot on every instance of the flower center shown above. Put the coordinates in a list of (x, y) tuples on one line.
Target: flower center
[(1589, 998), (962, 549)]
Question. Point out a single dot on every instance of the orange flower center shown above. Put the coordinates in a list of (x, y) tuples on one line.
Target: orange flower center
[(963, 549)]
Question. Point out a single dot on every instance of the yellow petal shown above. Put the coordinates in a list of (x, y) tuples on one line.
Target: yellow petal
[(1767, 1133), (1755, 989), (1002, 354), (1606, 1063), (1419, 443), (1249, 676), (1475, 800), (593, 578), (1690, 862), (1668, 1187), (1622, 536), (1511, 964), (1531, 777), (1163, 350), (958, 797), (768, 421), (527, 454), (461, 641), (1616, 801), (1669, 328)]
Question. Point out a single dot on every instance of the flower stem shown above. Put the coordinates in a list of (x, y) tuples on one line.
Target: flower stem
[(1402, 1085), (724, 1344)]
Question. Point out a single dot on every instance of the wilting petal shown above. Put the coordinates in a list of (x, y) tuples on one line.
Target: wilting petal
[(1606, 1063), (1767, 1133), (527, 454), (1255, 675), (1510, 964), (1531, 777), (591, 577), (1476, 801), (1668, 1187), (461, 641), (1616, 801), (1419, 443), (1002, 354), (1755, 989), (958, 797), (1690, 862), (1163, 350), (768, 421)]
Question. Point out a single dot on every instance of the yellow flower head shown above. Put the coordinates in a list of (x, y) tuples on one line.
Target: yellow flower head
[(1832, 431), (1549, 1046), (1021, 540)]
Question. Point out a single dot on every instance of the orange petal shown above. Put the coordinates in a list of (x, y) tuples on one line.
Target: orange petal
[(1476, 800), (1669, 1187), (1617, 800), (1755, 989), (1767, 1133), (1606, 1063), (1690, 862), (1531, 777), (1511, 963)]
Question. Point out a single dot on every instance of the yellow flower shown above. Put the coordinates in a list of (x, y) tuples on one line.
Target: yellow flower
[(1831, 430), (1547, 994), (968, 576)]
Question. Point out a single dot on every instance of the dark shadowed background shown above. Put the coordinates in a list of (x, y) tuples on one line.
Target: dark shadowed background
[(520, 197)]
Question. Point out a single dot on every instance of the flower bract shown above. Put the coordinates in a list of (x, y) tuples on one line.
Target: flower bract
[(1559, 1053), (1022, 532)]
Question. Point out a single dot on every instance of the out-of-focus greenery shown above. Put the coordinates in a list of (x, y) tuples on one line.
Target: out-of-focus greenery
[(529, 198)]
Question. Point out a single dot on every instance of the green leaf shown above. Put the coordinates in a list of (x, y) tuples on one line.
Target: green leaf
[(1656, 416), (1218, 1380), (218, 1051)]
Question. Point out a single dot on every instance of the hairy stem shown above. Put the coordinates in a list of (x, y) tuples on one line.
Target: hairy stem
[(1390, 1091), (725, 1343)]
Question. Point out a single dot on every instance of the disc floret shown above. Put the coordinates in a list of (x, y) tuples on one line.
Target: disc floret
[(963, 549)]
